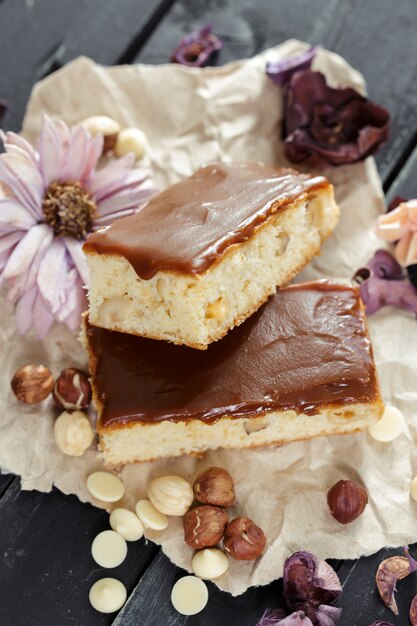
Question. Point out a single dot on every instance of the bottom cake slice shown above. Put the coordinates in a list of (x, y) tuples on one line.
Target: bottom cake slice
[(300, 367)]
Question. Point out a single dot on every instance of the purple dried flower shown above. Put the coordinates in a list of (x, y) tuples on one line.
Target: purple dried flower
[(271, 617), (309, 585), (327, 125), (51, 198), (382, 624), (196, 48), (281, 71), (382, 284), (389, 572)]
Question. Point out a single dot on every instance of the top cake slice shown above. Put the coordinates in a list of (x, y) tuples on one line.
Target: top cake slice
[(204, 254)]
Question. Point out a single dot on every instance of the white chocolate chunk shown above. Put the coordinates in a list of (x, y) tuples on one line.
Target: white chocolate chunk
[(189, 595), (389, 427), (209, 563), (105, 486), (127, 524), (171, 495), (150, 516), (109, 549), (107, 595), (73, 433), (131, 140)]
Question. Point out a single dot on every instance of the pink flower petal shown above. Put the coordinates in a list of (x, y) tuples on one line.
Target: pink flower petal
[(12, 140), (125, 200), (42, 317), (51, 151), (94, 153), (7, 243), (393, 225), (24, 311), (75, 251), (132, 180), (73, 320), (15, 214), (76, 156), (24, 180), (72, 295), (51, 275), (110, 176)]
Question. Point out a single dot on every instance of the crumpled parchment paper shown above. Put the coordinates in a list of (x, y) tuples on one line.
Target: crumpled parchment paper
[(232, 113)]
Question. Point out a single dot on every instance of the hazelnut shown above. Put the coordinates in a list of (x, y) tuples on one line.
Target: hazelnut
[(347, 501), (103, 125), (72, 389), (204, 526), (214, 486), (73, 433), (32, 383), (243, 539), (171, 495)]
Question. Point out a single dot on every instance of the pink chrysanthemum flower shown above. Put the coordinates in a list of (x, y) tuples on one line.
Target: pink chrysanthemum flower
[(51, 199)]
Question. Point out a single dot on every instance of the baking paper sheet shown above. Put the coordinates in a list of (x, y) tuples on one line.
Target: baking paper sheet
[(192, 116)]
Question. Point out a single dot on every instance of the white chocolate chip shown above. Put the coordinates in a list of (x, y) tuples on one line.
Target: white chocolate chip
[(209, 563), (109, 549), (414, 488), (171, 495), (73, 433), (101, 124), (150, 517), (189, 595), (131, 140), (389, 427), (105, 486), (126, 524), (107, 595)]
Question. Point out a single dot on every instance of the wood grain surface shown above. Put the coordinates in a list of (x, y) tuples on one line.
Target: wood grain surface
[(46, 568)]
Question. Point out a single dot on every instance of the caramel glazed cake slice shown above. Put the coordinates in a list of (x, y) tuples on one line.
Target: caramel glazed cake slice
[(206, 253), (300, 367)]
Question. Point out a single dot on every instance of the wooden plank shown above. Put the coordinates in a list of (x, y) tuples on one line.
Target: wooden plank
[(405, 185), (37, 37), (367, 34), (150, 602), (46, 569)]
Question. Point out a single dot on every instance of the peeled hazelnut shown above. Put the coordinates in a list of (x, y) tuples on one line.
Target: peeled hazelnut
[(347, 501), (214, 486), (72, 389), (204, 526), (103, 125), (131, 140), (73, 433), (171, 495), (243, 539), (32, 383)]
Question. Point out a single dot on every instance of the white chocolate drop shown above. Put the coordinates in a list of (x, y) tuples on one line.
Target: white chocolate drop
[(209, 563), (107, 595), (150, 517), (105, 486), (171, 495), (131, 140), (389, 427), (189, 595), (109, 549), (127, 524)]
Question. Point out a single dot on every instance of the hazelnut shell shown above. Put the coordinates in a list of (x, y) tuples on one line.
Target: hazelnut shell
[(243, 539), (72, 390), (347, 501), (214, 486), (32, 383), (204, 526)]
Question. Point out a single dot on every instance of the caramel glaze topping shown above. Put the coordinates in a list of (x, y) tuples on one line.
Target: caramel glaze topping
[(306, 348), (189, 225)]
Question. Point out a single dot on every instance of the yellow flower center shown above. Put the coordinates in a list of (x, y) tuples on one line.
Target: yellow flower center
[(69, 210)]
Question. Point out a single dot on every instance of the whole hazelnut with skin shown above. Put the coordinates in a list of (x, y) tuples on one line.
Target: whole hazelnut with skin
[(103, 125), (243, 539), (204, 526), (72, 389), (32, 383), (214, 486), (347, 501)]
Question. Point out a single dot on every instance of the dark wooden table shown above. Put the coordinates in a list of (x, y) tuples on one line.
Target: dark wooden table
[(46, 569)]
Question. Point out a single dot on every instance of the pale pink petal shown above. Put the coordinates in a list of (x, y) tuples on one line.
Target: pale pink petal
[(75, 251), (393, 225), (12, 140), (51, 151), (94, 154), (109, 176), (51, 275), (7, 243), (76, 156), (131, 180), (42, 317), (108, 219), (15, 214), (24, 180), (125, 200), (24, 311), (72, 295), (73, 320)]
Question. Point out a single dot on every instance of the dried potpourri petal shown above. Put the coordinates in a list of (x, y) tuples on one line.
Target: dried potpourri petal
[(389, 572), (271, 617), (281, 71), (413, 611), (382, 283), (382, 624), (276, 618), (196, 48)]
